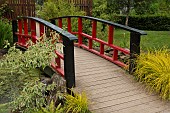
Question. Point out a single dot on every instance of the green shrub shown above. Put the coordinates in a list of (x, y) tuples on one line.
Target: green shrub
[(53, 9), (153, 69), (5, 32), (32, 97), (19, 67), (156, 23)]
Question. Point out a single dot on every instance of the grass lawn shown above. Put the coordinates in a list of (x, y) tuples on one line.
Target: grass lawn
[(153, 39)]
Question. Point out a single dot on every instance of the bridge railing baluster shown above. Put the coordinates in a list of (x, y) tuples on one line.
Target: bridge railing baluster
[(134, 40)]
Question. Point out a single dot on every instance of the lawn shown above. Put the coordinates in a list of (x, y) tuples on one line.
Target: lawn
[(153, 39)]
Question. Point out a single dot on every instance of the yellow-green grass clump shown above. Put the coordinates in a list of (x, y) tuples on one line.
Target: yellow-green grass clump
[(77, 103), (153, 69)]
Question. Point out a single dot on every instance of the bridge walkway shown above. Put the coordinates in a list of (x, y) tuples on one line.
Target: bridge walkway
[(111, 89)]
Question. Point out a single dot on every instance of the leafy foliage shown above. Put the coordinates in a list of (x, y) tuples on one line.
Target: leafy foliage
[(5, 32), (4, 8), (100, 9), (19, 67), (32, 97), (51, 109), (153, 69), (153, 7), (57, 8)]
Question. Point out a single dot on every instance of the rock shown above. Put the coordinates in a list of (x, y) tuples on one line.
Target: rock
[(46, 80), (60, 82)]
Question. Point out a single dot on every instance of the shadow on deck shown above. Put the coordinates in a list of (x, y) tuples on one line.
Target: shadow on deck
[(111, 89)]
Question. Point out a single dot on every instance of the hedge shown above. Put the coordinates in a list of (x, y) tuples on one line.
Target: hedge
[(156, 23)]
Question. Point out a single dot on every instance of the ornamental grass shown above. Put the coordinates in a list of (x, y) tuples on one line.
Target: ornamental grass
[(153, 69)]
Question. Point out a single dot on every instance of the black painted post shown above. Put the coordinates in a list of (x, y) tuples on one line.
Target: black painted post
[(14, 30), (134, 50), (69, 68), (53, 21)]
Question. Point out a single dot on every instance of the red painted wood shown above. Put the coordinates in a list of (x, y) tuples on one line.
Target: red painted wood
[(33, 31), (57, 60), (25, 26), (115, 55), (69, 24), (20, 31), (110, 34), (41, 29), (90, 43), (25, 39), (80, 29), (60, 24), (24, 35), (59, 55), (101, 48), (59, 70), (94, 29), (103, 43), (104, 56)]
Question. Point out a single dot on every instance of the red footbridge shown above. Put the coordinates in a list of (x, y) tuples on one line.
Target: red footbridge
[(108, 86)]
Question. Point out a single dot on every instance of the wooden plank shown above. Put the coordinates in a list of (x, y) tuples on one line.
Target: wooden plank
[(20, 8), (84, 5), (112, 90)]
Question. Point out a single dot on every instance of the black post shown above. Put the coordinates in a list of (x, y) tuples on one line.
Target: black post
[(69, 68), (134, 50), (53, 21), (14, 30)]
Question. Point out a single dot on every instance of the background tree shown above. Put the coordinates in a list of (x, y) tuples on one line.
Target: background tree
[(120, 7)]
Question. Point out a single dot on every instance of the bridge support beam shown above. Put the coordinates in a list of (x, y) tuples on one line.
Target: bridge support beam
[(134, 50)]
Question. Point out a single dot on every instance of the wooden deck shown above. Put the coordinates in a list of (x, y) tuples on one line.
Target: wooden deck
[(112, 90)]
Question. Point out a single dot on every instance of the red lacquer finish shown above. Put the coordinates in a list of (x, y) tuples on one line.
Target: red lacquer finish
[(69, 24), (33, 31), (60, 24), (80, 29), (20, 31), (42, 29), (110, 36), (93, 38)]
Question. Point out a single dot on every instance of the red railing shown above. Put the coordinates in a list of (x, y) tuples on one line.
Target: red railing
[(22, 33), (134, 38)]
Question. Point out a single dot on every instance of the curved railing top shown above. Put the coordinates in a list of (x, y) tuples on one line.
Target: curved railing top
[(53, 27), (109, 23)]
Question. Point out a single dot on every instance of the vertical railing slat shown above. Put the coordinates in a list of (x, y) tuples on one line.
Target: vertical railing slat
[(80, 29), (111, 34), (33, 31), (69, 24)]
